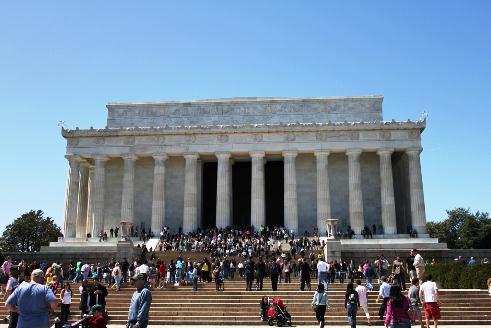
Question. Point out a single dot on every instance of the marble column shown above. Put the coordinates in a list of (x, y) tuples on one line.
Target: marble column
[(387, 192), (223, 217), (90, 201), (290, 191), (258, 216), (99, 192), (355, 191), (71, 197), (190, 215), (418, 215), (81, 225), (158, 200), (128, 199), (323, 196)]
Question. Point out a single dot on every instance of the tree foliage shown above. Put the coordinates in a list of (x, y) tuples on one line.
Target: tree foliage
[(29, 232), (463, 229)]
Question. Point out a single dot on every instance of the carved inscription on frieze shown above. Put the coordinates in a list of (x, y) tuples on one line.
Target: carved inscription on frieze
[(258, 137), (190, 138), (129, 140), (222, 138), (413, 134), (99, 141), (385, 135)]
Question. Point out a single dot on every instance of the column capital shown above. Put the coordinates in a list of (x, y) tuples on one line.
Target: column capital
[(290, 153), (322, 153), (258, 154), (74, 158), (100, 158), (223, 155), (353, 152), (130, 157), (160, 157), (189, 156), (414, 150), (385, 151)]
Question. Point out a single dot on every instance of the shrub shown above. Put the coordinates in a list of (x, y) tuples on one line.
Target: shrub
[(452, 275)]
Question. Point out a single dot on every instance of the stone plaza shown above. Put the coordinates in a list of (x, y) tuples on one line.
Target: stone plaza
[(291, 162)]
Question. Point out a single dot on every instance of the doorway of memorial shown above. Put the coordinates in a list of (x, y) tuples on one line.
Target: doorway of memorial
[(273, 171), (209, 194), (241, 194)]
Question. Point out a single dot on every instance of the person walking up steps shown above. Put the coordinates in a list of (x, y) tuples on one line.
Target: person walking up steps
[(383, 293), (414, 299), (428, 293), (397, 309), (363, 298), (351, 304), (321, 303)]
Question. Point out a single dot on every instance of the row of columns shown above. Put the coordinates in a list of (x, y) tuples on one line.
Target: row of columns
[(84, 210)]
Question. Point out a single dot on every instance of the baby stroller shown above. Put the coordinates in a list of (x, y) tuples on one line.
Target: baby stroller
[(278, 314), (96, 318)]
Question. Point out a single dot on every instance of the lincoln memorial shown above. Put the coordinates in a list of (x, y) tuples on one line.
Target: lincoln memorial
[(292, 162)]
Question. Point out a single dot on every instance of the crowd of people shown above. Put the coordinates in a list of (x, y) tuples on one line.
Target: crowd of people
[(233, 254)]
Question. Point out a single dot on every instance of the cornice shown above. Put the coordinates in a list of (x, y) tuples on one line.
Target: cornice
[(246, 128)]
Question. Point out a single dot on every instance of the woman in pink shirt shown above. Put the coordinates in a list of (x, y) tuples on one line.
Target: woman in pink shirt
[(397, 307)]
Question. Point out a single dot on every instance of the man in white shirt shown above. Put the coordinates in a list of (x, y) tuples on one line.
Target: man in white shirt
[(322, 269), (363, 298), (419, 264), (428, 293)]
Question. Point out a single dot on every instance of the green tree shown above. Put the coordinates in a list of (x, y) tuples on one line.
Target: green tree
[(29, 232), (463, 229)]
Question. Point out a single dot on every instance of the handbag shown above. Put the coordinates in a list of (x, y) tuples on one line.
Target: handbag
[(314, 307), (412, 313)]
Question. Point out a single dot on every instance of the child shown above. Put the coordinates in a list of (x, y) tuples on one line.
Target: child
[(264, 305), (54, 285)]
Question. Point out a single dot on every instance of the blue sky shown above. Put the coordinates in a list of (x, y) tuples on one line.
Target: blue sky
[(65, 60)]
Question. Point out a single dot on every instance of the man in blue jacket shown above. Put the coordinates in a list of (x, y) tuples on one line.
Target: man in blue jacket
[(140, 303)]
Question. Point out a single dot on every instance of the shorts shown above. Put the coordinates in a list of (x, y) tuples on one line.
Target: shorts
[(364, 306), (432, 310), (420, 272)]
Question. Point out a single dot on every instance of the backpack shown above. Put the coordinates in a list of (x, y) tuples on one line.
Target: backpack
[(352, 298), (274, 268)]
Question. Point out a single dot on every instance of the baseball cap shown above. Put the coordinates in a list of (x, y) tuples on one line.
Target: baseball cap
[(96, 307)]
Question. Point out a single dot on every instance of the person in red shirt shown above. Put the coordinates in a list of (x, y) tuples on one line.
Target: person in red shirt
[(162, 275), (97, 319)]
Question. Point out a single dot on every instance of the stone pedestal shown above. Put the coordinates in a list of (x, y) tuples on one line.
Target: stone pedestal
[(332, 251)]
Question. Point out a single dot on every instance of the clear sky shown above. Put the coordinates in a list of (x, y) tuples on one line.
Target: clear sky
[(65, 60)]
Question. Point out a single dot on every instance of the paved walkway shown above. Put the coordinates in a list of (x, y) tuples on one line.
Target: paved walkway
[(263, 326)]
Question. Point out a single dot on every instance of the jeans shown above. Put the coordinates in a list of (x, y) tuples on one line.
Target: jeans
[(65, 311), (352, 309), (195, 283), (323, 278)]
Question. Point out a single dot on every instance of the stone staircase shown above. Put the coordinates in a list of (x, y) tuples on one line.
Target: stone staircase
[(180, 305)]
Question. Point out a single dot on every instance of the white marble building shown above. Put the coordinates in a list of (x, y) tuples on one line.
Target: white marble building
[(246, 161)]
